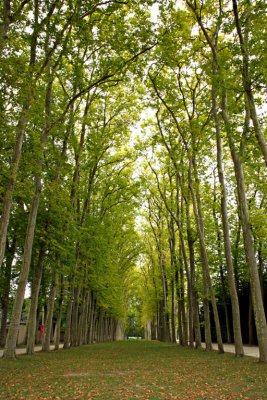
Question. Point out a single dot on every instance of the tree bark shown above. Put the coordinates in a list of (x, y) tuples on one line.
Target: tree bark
[(60, 311), (10, 346), (5, 286), (67, 334), (204, 261), (164, 330), (91, 327), (226, 313), (75, 317), (258, 307), (88, 318), (251, 325), (58, 323), (173, 329), (21, 126), (7, 199), (191, 238), (83, 317), (36, 283), (207, 284), (224, 213), (247, 83), (182, 301), (174, 267), (50, 311), (212, 42)]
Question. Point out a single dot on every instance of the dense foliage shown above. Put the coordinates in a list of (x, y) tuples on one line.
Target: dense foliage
[(133, 171)]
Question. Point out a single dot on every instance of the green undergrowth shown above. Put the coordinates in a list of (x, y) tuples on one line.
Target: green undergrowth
[(133, 370)]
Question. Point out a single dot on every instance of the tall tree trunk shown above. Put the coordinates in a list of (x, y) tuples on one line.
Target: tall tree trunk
[(91, 330), (173, 329), (212, 42), (67, 334), (7, 199), (102, 327), (5, 288), (166, 317), (75, 317), (191, 238), (35, 289), (60, 311), (187, 323), (28, 95), (161, 321), (83, 318), (96, 327), (179, 310), (207, 284), (58, 323), (183, 308), (224, 213), (10, 347), (174, 277), (220, 257), (261, 268), (258, 308), (204, 263), (251, 325), (165, 334), (247, 83), (236, 251), (195, 303), (50, 311), (88, 318), (224, 299)]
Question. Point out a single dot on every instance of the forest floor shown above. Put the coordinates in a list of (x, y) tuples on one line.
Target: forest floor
[(133, 370)]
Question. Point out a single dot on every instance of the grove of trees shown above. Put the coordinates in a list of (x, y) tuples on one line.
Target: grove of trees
[(133, 171)]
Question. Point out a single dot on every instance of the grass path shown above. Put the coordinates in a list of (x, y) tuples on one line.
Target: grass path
[(133, 370)]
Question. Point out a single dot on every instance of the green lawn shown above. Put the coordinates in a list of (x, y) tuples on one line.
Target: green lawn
[(133, 370)]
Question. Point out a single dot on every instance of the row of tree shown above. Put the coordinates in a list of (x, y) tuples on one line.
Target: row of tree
[(206, 155), (76, 77), (67, 192)]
